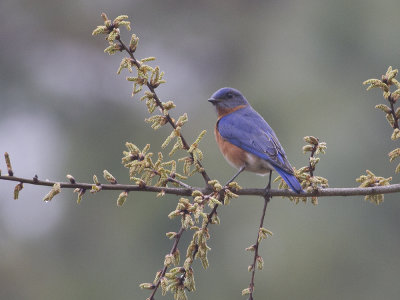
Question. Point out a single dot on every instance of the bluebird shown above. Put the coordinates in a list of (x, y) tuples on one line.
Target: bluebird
[(247, 141)]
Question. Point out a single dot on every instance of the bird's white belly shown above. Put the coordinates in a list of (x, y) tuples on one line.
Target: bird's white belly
[(257, 165)]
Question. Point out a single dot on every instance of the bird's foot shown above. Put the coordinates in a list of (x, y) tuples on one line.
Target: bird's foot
[(267, 190), (268, 187)]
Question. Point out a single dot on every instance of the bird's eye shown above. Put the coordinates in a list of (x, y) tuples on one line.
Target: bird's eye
[(229, 95)]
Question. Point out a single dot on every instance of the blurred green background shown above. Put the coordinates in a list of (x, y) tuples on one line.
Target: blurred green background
[(301, 64)]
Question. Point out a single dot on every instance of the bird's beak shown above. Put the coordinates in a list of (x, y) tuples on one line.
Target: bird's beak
[(213, 100)]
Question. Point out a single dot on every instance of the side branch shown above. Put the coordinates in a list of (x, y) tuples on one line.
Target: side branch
[(159, 104), (165, 268), (257, 260), (186, 191)]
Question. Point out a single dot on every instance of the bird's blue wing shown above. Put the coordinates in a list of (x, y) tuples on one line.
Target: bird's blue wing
[(246, 129)]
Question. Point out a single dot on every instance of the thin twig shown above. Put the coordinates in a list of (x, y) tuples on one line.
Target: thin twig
[(393, 112), (310, 167), (391, 101), (267, 197), (164, 270), (181, 183)]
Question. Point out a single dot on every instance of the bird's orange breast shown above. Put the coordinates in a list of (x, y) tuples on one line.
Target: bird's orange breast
[(233, 154), (223, 111)]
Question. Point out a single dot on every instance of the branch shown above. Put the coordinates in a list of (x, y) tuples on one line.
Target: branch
[(159, 104), (164, 270), (327, 192), (257, 260), (186, 191), (111, 187), (191, 255), (392, 101)]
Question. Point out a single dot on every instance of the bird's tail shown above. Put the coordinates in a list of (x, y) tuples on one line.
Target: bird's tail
[(291, 180)]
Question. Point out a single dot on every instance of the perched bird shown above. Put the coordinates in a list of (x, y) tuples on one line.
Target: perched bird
[(247, 141)]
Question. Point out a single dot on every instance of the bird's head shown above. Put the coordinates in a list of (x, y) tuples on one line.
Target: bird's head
[(227, 99)]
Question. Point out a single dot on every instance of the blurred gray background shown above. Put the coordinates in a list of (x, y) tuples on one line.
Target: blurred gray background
[(301, 64)]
